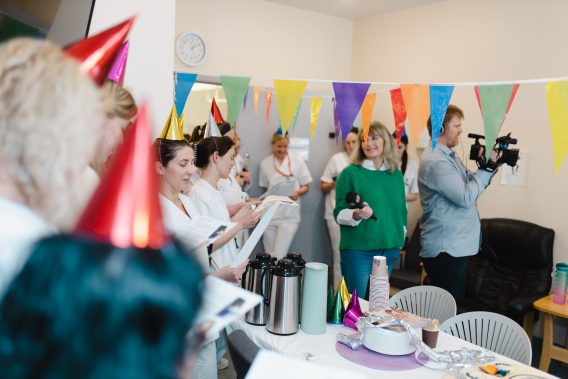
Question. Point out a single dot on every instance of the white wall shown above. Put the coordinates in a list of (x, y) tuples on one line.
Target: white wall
[(150, 59), (484, 40), (265, 40)]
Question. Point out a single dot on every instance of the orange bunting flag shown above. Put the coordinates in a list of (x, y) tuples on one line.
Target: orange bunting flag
[(367, 113), (288, 97), (315, 108), (417, 101), (557, 101), (256, 92), (267, 104)]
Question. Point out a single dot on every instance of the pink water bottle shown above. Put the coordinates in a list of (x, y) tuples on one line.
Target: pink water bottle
[(560, 282)]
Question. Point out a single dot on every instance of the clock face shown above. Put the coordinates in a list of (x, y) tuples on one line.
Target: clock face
[(191, 48)]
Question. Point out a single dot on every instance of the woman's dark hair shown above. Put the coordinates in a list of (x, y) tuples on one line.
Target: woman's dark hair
[(404, 158), (224, 127), (208, 146), (83, 308), (165, 149), (198, 133)]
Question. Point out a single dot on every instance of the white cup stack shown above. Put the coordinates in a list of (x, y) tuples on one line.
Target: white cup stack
[(379, 285)]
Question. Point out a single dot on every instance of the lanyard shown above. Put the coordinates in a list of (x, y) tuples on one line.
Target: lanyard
[(289, 168)]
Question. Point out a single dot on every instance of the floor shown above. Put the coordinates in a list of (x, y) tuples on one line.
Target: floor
[(556, 368)]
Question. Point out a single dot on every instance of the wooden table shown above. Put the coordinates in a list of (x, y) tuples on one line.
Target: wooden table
[(549, 351)]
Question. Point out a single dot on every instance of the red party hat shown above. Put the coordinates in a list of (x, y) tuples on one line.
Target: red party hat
[(216, 112), (125, 209), (97, 54)]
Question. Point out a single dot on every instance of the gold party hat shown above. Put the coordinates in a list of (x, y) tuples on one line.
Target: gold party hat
[(342, 289), (171, 129)]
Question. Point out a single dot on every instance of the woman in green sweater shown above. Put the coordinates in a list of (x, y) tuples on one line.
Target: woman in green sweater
[(378, 228)]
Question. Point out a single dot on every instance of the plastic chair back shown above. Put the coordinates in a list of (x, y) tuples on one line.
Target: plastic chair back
[(426, 301)]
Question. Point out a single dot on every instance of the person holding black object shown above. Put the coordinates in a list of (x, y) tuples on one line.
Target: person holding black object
[(450, 226), (372, 185)]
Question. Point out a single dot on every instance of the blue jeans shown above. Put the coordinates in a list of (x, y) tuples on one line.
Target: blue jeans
[(356, 266)]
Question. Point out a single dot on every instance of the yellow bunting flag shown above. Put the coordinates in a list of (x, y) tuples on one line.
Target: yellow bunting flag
[(367, 113), (256, 92), (288, 96), (267, 104), (557, 99), (315, 108), (417, 101)]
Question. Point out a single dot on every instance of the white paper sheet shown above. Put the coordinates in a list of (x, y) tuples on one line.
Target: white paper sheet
[(223, 303), (205, 229), (272, 365), (285, 188), (254, 237)]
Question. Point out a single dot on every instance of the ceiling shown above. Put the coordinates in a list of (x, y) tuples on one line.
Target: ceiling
[(353, 9)]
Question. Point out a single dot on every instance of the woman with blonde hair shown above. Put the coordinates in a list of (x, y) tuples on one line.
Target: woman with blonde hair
[(49, 125), (283, 167), (370, 208)]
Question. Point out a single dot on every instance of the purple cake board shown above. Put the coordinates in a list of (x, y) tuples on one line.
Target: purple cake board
[(378, 361)]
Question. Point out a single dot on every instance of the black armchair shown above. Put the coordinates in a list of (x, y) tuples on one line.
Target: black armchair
[(512, 270)]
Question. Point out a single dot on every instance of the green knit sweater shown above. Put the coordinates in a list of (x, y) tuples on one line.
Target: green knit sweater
[(385, 194)]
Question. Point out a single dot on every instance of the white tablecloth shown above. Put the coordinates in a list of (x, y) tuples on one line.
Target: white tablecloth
[(322, 348)]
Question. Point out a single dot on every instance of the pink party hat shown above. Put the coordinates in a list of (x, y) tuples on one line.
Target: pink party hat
[(116, 73), (353, 312)]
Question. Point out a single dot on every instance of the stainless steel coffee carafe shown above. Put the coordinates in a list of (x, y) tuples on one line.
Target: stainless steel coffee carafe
[(254, 281), (284, 301)]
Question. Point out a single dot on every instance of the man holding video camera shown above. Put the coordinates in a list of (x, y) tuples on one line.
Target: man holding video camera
[(450, 226)]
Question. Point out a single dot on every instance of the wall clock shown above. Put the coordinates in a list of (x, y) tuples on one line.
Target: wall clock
[(191, 48)]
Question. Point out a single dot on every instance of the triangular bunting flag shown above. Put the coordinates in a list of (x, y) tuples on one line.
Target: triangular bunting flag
[(336, 120), (495, 101), (557, 100), (235, 88), (439, 100), (367, 113), (256, 93), (315, 108), (267, 105), (216, 112), (398, 111), (349, 97), (417, 102), (211, 129), (183, 83), (288, 97)]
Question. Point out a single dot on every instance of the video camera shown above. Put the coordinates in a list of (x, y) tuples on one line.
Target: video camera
[(507, 156)]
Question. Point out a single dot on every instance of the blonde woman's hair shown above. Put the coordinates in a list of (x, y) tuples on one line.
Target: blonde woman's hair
[(390, 158), (117, 101), (50, 122), (276, 137)]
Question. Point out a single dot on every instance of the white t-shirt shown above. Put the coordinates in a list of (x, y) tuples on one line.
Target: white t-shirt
[(20, 228), (176, 222), (269, 176), (333, 168), (411, 178), (209, 202)]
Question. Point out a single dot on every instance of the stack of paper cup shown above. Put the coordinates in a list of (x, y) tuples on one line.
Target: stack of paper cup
[(379, 285)]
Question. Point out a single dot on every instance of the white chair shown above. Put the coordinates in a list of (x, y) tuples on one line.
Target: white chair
[(426, 301), (492, 331)]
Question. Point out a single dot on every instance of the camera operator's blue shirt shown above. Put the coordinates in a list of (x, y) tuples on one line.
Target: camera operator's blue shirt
[(448, 194)]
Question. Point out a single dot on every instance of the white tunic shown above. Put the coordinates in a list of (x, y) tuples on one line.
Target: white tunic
[(333, 168), (269, 177), (176, 222), (411, 179), (209, 202), (20, 228)]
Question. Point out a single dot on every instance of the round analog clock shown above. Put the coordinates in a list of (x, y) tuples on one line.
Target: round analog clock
[(190, 48)]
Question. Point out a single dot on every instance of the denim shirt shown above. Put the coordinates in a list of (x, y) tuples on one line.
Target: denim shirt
[(448, 194)]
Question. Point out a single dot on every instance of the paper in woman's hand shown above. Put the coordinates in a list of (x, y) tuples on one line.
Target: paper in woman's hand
[(285, 188), (206, 229)]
